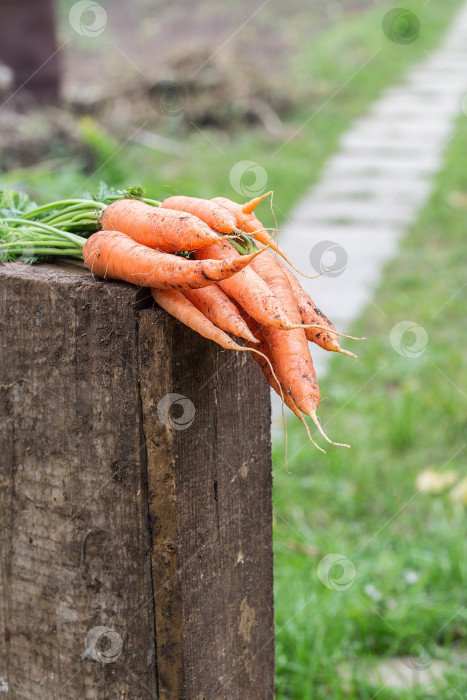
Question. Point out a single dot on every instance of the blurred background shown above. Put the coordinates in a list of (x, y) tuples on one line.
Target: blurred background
[(235, 99)]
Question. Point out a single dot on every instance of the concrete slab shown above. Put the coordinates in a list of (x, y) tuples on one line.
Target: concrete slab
[(383, 165), (374, 187)]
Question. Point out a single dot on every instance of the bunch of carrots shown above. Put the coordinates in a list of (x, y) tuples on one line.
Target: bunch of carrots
[(209, 263)]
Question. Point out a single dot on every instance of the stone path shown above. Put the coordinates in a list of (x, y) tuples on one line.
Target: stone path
[(377, 183)]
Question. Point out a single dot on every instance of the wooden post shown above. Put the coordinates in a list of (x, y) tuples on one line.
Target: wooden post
[(135, 500)]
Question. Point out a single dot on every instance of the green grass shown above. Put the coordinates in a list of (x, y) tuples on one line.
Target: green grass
[(402, 415)]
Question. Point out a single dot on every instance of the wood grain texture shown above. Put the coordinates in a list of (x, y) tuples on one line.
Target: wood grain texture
[(111, 517), (210, 505), (74, 526)]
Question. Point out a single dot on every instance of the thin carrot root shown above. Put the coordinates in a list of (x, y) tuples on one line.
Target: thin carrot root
[(334, 332), (314, 325), (294, 267), (258, 352), (343, 335), (236, 233), (347, 352), (300, 417), (282, 406), (285, 399), (279, 251), (315, 420), (253, 203), (275, 247), (274, 213), (303, 422), (248, 209)]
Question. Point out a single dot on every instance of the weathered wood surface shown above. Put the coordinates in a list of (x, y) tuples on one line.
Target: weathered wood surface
[(114, 515)]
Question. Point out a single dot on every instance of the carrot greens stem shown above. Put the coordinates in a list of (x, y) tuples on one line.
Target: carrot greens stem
[(60, 204), (46, 228)]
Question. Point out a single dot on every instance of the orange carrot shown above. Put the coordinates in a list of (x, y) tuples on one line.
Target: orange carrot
[(248, 207), (246, 287), (294, 369), (220, 310), (246, 220), (212, 213), (176, 304), (289, 350), (114, 254), (248, 223), (275, 277), (310, 314), (267, 368), (164, 229)]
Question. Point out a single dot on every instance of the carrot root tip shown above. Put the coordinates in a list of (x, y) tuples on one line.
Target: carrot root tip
[(347, 352), (252, 204), (315, 420), (305, 424)]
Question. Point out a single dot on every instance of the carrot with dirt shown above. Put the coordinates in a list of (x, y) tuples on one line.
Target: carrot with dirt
[(220, 310), (266, 362), (253, 296), (246, 220), (215, 215), (248, 289), (294, 369), (165, 229), (248, 223), (176, 303), (310, 314), (113, 254), (319, 328), (289, 350)]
